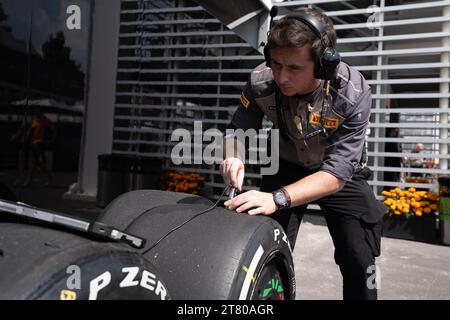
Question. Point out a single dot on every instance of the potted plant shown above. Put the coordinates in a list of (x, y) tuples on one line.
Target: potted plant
[(410, 214), (187, 182)]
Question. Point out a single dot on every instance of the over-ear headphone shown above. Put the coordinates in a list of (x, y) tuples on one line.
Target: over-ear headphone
[(325, 67)]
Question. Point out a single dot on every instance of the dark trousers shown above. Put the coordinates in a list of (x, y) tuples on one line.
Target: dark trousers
[(354, 219)]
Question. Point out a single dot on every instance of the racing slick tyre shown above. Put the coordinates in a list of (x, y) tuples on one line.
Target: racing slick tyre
[(127, 207), (217, 255), (37, 262)]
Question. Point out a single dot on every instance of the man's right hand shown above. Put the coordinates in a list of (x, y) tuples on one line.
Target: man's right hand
[(232, 171)]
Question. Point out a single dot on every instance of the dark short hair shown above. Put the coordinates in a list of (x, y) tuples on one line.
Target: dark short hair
[(293, 33)]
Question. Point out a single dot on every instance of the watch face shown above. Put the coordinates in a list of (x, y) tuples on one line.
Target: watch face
[(280, 198)]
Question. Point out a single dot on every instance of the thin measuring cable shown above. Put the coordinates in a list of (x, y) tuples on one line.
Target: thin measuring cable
[(185, 222), (220, 198), (215, 205)]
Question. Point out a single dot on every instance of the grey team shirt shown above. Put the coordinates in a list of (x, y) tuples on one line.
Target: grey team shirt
[(346, 120)]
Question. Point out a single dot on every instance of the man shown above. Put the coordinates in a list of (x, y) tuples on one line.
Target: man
[(417, 162), (323, 131), (41, 133), (20, 139)]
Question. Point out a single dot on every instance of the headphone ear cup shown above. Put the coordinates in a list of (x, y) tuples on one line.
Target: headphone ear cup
[(267, 56), (329, 61)]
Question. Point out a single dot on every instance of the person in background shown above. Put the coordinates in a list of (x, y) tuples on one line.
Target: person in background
[(417, 162), (20, 139), (41, 133)]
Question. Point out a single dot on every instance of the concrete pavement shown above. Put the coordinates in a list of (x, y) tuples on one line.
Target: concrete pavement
[(409, 270)]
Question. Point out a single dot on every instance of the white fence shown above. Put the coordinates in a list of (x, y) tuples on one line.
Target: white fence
[(177, 63)]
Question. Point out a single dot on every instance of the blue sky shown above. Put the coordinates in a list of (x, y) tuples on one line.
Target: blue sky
[(49, 16)]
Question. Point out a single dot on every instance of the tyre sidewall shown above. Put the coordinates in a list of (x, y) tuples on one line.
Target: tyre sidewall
[(269, 241), (107, 276)]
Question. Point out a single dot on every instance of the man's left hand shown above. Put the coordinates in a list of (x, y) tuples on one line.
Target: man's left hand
[(259, 203)]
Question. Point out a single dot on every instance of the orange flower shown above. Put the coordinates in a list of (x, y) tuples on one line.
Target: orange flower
[(410, 202)]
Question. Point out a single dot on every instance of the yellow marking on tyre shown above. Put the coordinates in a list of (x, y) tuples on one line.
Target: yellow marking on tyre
[(246, 270)]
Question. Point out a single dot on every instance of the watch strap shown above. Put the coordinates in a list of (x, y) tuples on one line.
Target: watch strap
[(288, 197), (287, 200)]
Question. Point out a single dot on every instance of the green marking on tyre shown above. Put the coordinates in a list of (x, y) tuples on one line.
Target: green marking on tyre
[(274, 285), (266, 292)]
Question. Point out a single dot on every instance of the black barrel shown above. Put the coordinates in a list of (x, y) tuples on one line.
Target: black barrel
[(141, 173), (110, 178), (118, 174)]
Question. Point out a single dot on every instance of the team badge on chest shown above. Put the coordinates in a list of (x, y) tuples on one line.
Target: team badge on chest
[(328, 123)]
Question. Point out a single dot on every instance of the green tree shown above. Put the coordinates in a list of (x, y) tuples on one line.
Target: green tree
[(64, 75), (3, 18)]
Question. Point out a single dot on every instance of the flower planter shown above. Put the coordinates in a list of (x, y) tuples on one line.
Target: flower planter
[(414, 228)]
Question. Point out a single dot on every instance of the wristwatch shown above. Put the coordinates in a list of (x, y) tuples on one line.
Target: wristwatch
[(281, 199)]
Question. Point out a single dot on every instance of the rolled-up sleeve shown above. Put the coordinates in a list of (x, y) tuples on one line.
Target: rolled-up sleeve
[(346, 144)]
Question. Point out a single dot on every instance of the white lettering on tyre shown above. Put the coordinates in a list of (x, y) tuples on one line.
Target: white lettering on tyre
[(129, 279), (148, 281), (98, 284), (277, 232), (161, 290)]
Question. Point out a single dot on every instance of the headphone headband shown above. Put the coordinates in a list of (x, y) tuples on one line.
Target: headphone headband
[(326, 66), (312, 22)]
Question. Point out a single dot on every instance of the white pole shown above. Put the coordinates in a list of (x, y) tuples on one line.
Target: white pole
[(444, 88), (379, 76)]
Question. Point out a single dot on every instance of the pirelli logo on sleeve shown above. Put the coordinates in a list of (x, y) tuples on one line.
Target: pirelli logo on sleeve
[(245, 102)]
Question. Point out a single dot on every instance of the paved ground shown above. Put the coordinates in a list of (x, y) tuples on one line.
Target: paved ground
[(409, 269)]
